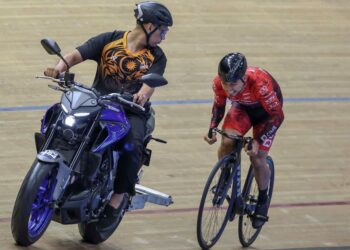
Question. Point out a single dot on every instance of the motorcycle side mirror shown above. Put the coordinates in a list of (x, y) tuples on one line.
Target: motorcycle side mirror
[(153, 80), (52, 48)]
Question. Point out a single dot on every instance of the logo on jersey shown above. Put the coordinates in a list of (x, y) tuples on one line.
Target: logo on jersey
[(122, 66), (266, 141), (268, 137), (263, 90)]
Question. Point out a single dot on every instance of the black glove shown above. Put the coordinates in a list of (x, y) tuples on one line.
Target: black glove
[(210, 133)]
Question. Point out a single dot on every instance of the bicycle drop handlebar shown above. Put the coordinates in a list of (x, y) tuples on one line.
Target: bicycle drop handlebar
[(245, 140)]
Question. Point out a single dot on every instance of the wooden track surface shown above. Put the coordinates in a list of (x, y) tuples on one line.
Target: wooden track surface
[(304, 44)]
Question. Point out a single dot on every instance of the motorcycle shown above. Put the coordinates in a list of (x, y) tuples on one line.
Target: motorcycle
[(71, 179)]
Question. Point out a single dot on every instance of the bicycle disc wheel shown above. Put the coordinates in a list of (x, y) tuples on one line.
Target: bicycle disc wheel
[(247, 234), (215, 203)]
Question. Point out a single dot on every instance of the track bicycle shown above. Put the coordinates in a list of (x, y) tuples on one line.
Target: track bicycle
[(222, 198)]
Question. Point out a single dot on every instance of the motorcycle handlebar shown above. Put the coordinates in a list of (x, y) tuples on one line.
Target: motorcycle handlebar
[(119, 98), (50, 78), (111, 97)]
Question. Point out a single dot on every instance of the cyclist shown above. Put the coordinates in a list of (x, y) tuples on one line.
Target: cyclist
[(257, 101), (122, 58)]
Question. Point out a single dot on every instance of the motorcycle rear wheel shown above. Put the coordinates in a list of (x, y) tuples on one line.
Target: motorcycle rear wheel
[(33, 207)]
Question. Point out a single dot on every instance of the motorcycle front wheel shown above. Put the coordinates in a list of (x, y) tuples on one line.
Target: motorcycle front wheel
[(33, 207), (94, 233)]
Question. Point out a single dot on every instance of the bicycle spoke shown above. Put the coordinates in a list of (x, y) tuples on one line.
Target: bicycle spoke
[(211, 227)]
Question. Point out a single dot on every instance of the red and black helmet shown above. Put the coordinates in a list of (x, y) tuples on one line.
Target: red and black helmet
[(153, 12), (232, 67)]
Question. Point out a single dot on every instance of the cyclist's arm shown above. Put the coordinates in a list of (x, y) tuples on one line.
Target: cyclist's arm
[(266, 94), (219, 104)]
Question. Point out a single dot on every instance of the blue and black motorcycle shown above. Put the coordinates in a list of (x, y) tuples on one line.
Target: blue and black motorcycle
[(71, 179)]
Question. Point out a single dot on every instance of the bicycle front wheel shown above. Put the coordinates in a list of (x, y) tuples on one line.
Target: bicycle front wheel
[(213, 212), (247, 234)]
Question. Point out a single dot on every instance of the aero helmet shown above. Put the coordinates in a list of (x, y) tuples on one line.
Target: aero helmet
[(232, 67)]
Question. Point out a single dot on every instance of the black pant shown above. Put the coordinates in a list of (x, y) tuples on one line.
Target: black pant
[(131, 150)]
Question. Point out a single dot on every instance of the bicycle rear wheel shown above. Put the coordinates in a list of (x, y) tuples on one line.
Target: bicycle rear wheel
[(215, 203), (247, 234)]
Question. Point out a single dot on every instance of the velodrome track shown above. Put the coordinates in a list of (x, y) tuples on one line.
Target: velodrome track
[(304, 44)]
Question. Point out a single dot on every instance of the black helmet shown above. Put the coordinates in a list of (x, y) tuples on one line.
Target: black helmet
[(153, 12), (232, 67)]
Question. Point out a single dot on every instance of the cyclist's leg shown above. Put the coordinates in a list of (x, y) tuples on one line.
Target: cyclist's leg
[(261, 169), (261, 210), (227, 144), (262, 176), (236, 122)]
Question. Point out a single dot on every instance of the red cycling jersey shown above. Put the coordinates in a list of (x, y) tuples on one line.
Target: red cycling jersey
[(259, 104)]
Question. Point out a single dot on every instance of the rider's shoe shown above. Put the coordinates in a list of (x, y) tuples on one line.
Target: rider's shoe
[(111, 216), (260, 214)]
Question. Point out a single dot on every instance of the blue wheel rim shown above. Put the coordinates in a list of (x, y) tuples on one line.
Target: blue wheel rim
[(41, 211)]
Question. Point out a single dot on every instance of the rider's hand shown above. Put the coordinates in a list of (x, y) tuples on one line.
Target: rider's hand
[(51, 72), (210, 138), (254, 150), (140, 98)]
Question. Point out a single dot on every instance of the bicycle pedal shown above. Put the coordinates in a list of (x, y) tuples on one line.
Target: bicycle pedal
[(261, 217)]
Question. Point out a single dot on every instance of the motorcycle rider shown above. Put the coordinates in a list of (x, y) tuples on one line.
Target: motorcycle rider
[(122, 58)]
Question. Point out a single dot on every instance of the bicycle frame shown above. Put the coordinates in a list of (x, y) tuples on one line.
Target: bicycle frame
[(236, 202)]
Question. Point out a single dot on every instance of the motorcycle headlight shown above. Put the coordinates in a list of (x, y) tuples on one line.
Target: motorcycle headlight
[(69, 121)]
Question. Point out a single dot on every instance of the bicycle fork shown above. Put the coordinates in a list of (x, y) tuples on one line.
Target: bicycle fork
[(221, 189), (238, 204)]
